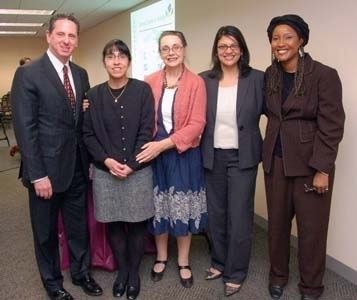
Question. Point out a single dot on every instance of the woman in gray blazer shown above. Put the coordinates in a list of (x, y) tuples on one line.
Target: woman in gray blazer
[(231, 149)]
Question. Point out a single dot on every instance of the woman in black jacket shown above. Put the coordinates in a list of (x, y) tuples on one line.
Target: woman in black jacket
[(119, 121)]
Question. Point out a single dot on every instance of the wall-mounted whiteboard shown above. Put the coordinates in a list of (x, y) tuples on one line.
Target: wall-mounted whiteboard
[(146, 25)]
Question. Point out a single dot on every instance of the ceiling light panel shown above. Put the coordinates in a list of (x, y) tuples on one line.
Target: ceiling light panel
[(22, 24), (6, 32), (36, 12)]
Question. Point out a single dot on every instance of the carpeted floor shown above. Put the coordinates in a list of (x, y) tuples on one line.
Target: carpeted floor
[(19, 278)]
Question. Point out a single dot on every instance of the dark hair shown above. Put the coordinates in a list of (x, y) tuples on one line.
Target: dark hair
[(24, 60), (243, 62), (274, 78), (177, 33), (56, 17), (116, 45)]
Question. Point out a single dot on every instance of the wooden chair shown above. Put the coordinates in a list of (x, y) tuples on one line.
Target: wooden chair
[(4, 137), (5, 108)]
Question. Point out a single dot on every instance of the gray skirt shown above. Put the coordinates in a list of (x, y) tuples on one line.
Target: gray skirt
[(126, 200)]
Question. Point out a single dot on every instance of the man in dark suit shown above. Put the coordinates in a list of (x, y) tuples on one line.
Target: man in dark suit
[(47, 98)]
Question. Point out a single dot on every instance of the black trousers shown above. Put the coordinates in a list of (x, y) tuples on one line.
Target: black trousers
[(286, 198), (44, 219), (230, 204), (127, 243)]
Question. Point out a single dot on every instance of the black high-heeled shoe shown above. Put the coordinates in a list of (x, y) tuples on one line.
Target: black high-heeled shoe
[(132, 292), (119, 289), (186, 282), (120, 283), (157, 276)]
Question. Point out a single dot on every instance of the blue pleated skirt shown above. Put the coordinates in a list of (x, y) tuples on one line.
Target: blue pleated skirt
[(179, 193)]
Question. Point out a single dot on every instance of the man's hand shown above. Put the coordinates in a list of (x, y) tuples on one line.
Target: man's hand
[(43, 188)]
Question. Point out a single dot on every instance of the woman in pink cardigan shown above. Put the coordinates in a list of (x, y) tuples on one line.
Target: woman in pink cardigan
[(179, 194)]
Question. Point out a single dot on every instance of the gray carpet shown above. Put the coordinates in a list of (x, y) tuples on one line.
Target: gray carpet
[(19, 278)]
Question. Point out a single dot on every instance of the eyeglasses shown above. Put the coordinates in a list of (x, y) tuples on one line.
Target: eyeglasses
[(175, 48), (224, 47), (113, 56)]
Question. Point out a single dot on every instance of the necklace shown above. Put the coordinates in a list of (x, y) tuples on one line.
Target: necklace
[(172, 86), (116, 98)]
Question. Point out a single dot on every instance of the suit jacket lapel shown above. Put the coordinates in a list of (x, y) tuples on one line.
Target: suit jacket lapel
[(212, 92), (291, 100), (242, 90), (53, 77)]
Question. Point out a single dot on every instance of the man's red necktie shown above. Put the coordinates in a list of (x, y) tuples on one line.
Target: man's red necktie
[(69, 90)]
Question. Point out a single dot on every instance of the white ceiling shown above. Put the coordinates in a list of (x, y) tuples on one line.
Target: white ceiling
[(88, 12)]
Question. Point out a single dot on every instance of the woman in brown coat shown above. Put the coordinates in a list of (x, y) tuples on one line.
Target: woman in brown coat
[(305, 126)]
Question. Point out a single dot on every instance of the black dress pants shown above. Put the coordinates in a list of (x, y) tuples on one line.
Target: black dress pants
[(286, 198), (44, 220), (230, 204)]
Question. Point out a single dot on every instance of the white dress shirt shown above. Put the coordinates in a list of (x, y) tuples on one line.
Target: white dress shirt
[(58, 65)]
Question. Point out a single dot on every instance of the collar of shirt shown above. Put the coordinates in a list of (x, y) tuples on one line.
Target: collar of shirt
[(58, 65)]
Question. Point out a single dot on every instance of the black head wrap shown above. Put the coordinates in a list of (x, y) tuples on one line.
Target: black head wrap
[(294, 21)]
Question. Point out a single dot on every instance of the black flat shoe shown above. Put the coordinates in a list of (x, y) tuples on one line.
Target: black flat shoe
[(132, 292), (212, 276), (276, 291), (186, 282), (119, 289), (89, 286), (307, 297), (157, 276), (60, 294), (231, 290)]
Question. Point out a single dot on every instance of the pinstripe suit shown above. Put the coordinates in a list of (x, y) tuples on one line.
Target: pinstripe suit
[(50, 139)]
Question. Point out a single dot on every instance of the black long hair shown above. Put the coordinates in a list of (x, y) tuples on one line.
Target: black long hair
[(274, 78), (243, 63)]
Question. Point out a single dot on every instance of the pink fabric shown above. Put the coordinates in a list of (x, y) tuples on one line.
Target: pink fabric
[(189, 107), (101, 253)]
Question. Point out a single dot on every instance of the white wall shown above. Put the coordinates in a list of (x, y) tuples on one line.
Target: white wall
[(333, 41), (12, 49)]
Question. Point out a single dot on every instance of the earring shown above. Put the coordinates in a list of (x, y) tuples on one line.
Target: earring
[(301, 52), (273, 58)]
